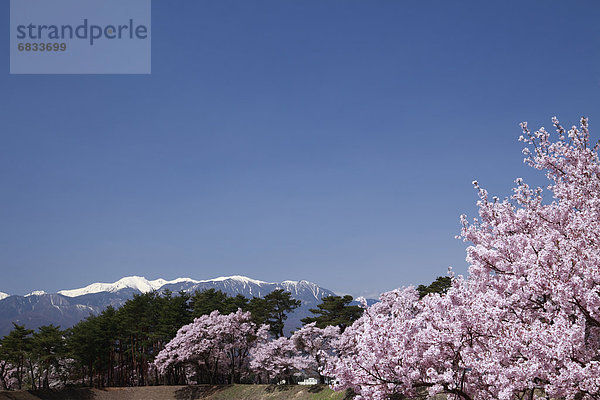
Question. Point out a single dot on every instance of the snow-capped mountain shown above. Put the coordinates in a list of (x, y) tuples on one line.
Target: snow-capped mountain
[(3, 295), (232, 285), (36, 293), (297, 287), (67, 307), (138, 283)]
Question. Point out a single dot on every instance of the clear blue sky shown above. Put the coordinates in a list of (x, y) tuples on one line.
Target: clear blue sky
[(333, 141)]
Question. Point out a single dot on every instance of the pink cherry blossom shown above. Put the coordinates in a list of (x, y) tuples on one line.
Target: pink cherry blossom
[(217, 345)]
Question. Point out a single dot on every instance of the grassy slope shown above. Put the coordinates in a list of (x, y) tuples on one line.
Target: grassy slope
[(226, 392)]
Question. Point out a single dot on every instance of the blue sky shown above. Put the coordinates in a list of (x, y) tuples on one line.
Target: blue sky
[(333, 141)]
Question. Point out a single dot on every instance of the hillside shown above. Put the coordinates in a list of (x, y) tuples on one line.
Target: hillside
[(227, 392)]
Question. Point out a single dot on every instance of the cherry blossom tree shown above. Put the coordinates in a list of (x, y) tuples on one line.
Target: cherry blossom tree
[(277, 359), (317, 343), (377, 356), (541, 260), (215, 345), (525, 322)]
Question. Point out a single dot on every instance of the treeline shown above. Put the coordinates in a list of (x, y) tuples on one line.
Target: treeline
[(118, 346)]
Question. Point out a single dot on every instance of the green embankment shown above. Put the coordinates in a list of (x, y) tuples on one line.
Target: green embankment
[(223, 392)]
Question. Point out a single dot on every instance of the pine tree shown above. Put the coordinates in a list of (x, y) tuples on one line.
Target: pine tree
[(48, 345), (278, 304), (440, 285), (17, 346), (334, 311)]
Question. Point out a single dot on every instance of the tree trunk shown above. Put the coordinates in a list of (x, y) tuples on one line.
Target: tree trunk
[(32, 375)]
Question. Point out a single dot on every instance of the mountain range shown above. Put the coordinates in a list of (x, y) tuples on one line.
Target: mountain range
[(67, 307)]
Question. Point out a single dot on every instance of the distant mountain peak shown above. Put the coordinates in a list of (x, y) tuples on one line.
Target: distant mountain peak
[(35, 293), (4, 295), (144, 285), (297, 286), (129, 282), (300, 282), (238, 278)]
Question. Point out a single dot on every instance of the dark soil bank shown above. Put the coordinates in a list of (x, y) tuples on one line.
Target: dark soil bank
[(227, 392)]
